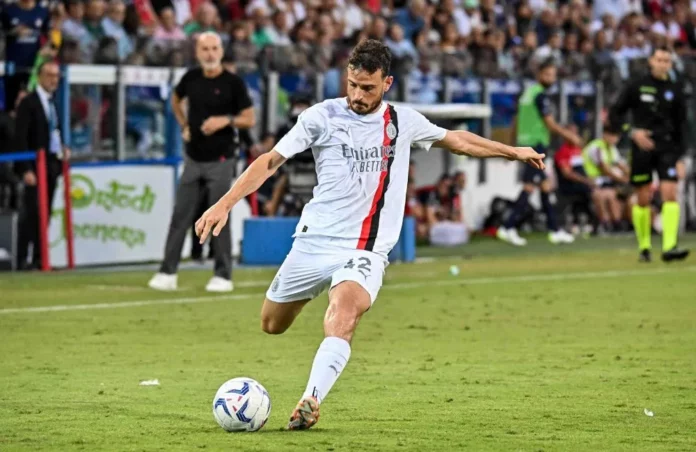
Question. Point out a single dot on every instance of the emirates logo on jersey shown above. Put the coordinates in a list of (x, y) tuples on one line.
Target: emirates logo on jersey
[(369, 160)]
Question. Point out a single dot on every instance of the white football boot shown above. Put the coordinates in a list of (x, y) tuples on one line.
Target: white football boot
[(163, 281), (561, 237), (218, 284), (510, 236)]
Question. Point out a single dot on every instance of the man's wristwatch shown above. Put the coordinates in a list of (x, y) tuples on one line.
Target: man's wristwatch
[(230, 118)]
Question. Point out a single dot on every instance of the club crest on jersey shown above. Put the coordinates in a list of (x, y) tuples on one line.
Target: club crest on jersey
[(669, 95), (391, 130)]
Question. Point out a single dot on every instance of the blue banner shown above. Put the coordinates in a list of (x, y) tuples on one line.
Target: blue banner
[(504, 94), (425, 88)]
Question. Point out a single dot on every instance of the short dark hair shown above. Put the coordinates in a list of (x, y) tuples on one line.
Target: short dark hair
[(611, 129), (371, 55), (547, 63), (660, 48)]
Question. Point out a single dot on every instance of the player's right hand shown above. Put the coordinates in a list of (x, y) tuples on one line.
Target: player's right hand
[(530, 157), (642, 138), (213, 219), (186, 134)]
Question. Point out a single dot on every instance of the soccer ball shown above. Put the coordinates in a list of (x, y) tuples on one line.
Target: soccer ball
[(241, 405)]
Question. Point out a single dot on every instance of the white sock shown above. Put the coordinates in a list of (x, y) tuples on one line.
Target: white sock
[(329, 362)]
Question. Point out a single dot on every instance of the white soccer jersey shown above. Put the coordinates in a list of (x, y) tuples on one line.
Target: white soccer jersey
[(362, 171)]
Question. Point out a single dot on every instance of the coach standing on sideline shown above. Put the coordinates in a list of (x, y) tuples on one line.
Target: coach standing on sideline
[(37, 126), (218, 103)]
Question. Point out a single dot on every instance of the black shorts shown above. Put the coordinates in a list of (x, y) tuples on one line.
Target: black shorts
[(531, 175), (661, 159), (573, 189)]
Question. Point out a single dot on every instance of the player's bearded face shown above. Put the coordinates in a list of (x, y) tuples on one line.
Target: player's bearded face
[(365, 91)]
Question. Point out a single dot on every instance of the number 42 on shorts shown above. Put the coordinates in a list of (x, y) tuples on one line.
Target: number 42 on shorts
[(363, 266)]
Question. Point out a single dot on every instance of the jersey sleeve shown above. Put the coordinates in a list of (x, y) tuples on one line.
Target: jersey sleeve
[(562, 157), (181, 87), (679, 116), (623, 104), (425, 133), (543, 104), (243, 101), (309, 128)]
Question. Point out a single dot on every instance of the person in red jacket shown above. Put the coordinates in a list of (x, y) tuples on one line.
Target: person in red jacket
[(573, 184)]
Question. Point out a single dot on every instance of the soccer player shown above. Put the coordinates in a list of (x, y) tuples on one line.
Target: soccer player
[(656, 102), (361, 145), (534, 126)]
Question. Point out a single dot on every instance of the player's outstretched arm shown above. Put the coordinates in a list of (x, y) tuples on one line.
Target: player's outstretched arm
[(251, 179), (461, 142)]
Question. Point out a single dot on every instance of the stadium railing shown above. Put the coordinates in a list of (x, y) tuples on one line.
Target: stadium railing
[(43, 204), (270, 93)]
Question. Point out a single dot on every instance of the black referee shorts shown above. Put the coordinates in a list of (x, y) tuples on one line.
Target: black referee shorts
[(662, 159)]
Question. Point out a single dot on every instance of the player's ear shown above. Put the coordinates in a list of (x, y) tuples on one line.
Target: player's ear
[(388, 80)]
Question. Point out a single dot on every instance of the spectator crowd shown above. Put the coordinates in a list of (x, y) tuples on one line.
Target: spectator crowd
[(589, 39)]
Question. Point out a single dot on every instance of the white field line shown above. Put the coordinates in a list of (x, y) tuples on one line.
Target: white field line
[(118, 288), (144, 288), (398, 286), (127, 304)]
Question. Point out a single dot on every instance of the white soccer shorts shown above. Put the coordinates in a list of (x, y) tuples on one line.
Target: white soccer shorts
[(305, 275)]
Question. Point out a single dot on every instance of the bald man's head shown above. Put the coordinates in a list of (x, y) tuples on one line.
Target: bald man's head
[(209, 50)]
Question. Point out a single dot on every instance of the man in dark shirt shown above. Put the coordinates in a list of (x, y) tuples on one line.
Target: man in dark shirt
[(656, 103), (218, 105), (23, 23)]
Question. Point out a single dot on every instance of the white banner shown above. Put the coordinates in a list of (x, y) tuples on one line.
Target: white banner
[(120, 214)]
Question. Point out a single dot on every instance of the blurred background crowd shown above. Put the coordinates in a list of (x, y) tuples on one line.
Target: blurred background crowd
[(484, 38), (592, 41)]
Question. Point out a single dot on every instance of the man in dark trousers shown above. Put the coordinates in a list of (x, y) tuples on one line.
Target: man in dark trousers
[(534, 126), (657, 104), (38, 127), (218, 103)]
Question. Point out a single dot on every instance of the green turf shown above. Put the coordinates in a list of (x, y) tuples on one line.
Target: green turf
[(535, 349)]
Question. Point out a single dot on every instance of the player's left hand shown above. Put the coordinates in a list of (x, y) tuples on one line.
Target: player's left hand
[(213, 124), (530, 157), (213, 219)]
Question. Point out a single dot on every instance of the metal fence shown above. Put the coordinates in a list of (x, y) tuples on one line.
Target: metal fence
[(123, 112)]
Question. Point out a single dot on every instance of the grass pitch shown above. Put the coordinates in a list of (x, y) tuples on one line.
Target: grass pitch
[(535, 349)]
